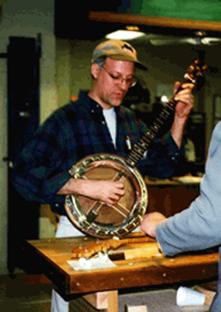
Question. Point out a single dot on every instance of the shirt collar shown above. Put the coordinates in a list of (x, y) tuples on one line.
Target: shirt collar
[(91, 105)]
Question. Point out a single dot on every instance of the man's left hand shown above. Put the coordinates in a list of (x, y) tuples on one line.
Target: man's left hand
[(185, 100)]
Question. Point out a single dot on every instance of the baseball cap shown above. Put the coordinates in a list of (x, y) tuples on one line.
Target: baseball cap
[(117, 50)]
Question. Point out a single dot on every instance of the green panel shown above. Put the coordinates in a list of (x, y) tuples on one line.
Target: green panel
[(187, 9)]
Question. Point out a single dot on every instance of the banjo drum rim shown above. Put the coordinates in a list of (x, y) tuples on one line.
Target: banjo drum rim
[(79, 219)]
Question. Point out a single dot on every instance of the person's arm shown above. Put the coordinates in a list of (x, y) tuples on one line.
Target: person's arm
[(165, 153), (36, 174), (41, 174), (198, 226), (185, 101), (104, 190)]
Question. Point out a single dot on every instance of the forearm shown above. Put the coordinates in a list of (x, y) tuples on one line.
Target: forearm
[(177, 130), (107, 191), (74, 186), (184, 104)]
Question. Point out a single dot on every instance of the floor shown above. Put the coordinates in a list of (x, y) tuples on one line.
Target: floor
[(24, 293), (157, 301), (32, 293)]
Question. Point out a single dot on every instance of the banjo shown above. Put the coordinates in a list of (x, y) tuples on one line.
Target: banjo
[(98, 219)]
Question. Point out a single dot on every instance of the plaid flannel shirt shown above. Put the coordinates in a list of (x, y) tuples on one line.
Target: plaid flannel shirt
[(77, 130)]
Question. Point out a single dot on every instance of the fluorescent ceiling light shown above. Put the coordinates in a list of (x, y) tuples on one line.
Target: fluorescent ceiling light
[(125, 34)]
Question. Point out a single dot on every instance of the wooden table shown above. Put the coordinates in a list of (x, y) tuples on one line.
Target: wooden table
[(135, 271)]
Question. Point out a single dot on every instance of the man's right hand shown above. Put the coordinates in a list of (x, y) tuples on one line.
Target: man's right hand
[(106, 191)]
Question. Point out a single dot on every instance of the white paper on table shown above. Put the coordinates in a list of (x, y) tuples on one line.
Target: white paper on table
[(100, 261)]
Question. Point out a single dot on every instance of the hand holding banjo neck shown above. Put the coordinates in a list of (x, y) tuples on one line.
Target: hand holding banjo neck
[(98, 219)]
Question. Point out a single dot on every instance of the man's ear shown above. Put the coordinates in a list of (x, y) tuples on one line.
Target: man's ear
[(95, 69)]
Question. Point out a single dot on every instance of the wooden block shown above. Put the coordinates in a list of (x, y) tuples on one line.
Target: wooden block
[(103, 300), (139, 308), (135, 251), (98, 300), (142, 251)]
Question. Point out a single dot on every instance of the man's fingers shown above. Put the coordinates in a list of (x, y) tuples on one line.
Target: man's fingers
[(182, 87)]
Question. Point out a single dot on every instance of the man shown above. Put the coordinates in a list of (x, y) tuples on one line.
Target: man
[(199, 226), (95, 123)]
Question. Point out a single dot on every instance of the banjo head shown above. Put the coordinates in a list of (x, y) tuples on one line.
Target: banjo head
[(97, 219)]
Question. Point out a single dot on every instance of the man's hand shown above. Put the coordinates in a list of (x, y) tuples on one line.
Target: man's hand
[(185, 102), (106, 191), (184, 98), (150, 223)]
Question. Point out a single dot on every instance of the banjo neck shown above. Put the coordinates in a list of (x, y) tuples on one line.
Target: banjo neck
[(195, 75), (147, 139)]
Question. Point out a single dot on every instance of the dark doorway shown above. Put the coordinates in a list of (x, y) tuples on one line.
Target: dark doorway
[(23, 57)]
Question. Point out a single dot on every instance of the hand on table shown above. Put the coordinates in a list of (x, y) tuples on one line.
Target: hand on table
[(150, 223)]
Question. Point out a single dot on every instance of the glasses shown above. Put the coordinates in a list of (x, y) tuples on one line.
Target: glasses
[(130, 82)]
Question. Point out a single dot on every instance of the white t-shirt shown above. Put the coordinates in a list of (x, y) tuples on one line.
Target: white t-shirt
[(110, 117)]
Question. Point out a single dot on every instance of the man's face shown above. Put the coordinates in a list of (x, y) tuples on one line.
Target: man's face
[(114, 79)]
